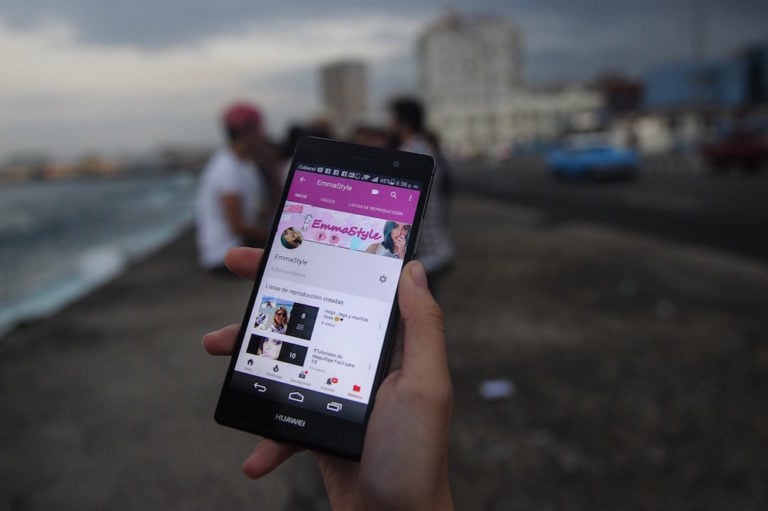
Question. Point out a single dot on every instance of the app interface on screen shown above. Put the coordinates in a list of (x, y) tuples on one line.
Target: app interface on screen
[(317, 327)]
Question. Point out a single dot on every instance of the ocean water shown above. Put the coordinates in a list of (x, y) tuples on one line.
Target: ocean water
[(59, 240)]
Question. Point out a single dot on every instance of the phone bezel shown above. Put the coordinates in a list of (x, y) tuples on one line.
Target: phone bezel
[(336, 436)]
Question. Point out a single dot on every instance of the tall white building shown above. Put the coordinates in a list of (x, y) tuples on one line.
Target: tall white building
[(344, 88), (469, 59), (471, 76)]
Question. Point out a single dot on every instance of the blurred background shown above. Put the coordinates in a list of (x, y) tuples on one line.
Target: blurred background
[(606, 169)]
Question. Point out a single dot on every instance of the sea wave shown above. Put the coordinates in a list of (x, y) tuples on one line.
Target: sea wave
[(52, 259)]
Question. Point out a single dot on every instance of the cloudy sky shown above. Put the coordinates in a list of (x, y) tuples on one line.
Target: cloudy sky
[(84, 75)]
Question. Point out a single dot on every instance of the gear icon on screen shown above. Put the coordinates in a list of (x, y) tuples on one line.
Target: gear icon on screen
[(383, 279)]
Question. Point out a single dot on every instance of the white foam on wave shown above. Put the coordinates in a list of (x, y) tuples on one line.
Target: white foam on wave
[(96, 266), (101, 264)]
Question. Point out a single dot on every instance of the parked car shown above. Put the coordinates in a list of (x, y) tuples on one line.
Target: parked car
[(592, 156), (742, 148)]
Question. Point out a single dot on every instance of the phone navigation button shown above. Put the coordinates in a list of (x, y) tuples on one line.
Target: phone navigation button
[(334, 406)]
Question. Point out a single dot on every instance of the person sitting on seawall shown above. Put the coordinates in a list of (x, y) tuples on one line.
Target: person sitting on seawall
[(232, 193), (405, 457), (396, 238)]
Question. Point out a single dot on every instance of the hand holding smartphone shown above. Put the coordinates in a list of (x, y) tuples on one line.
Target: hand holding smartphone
[(315, 342), (404, 461)]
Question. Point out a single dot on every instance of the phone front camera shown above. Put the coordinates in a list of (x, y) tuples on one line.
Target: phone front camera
[(395, 163)]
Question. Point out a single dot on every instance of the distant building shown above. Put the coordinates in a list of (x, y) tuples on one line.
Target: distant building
[(716, 83), (526, 119), (621, 94), (469, 59), (756, 58), (344, 87), (688, 102), (740, 80), (471, 77)]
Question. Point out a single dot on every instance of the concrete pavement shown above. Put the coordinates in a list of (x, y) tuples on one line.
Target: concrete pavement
[(639, 366)]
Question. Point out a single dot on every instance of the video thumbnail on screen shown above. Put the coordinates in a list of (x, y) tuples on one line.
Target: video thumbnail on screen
[(286, 317), (276, 349)]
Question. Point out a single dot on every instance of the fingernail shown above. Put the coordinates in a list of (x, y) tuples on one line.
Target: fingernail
[(210, 334), (418, 274)]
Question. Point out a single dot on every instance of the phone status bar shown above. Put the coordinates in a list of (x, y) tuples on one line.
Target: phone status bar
[(360, 176)]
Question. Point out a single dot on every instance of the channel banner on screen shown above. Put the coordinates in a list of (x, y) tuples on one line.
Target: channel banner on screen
[(301, 223), (358, 197)]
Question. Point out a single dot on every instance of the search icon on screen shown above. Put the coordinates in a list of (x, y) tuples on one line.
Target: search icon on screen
[(393, 195)]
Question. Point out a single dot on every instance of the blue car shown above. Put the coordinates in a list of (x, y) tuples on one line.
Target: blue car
[(592, 157)]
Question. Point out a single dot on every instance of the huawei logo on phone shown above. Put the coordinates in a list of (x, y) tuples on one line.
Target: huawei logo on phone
[(290, 420)]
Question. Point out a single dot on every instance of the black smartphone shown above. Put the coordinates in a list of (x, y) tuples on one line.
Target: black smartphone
[(319, 329)]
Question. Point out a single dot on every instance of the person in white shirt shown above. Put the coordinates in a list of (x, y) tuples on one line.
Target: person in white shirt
[(435, 250), (232, 192)]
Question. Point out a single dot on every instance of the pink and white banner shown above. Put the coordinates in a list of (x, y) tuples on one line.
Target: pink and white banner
[(362, 216), (339, 229)]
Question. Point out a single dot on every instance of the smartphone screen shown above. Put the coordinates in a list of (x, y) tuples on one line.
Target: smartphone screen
[(322, 310)]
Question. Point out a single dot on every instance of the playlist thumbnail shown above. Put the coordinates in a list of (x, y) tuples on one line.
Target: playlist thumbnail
[(277, 350), (286, 317)]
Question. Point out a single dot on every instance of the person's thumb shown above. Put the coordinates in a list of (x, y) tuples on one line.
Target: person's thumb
[(424, 356)]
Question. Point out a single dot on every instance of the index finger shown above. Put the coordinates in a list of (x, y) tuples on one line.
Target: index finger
[(244, 261), (222, 341)]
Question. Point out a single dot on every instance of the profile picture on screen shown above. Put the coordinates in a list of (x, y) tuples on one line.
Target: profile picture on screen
[(291, 238)]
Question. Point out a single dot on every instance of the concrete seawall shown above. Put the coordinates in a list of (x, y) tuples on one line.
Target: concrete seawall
[(639, 369)]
